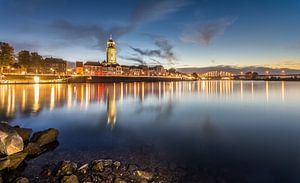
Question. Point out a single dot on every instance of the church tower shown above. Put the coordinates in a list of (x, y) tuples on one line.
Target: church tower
[(111, 51)]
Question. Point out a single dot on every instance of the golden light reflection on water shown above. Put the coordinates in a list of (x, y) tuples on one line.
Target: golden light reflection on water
[(29, 99), (282, 91), (267, 91)]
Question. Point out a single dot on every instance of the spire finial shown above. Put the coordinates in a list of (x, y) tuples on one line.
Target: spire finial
[(110, 36)]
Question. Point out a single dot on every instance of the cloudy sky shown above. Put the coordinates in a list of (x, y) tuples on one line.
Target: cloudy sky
[(176, 33)]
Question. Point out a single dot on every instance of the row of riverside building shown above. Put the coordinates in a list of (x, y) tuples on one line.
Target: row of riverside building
[(104, 69), (111, 68)]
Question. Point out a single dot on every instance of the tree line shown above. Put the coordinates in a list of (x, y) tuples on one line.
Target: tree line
[(30, 62)]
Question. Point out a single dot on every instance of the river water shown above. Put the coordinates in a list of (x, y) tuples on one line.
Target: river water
[(247, 130)]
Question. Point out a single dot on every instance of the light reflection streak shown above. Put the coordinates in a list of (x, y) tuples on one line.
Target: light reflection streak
[(36, 105), (35, 97), (52, 98), (242, 89), (23, 105), (267, 91), (282, 91)]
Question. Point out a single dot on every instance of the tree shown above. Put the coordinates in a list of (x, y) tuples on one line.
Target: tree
[(195, 75), (251, 75), (24, 58), (172, 70), (36, 61), (6, 55)]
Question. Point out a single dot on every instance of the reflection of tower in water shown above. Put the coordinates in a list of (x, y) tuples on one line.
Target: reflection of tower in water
[(111, 107)]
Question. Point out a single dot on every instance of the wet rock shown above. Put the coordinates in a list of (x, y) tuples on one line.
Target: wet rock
[(83, 169), (143, 174), (66, 168), (132, 168), (33, 149), (117, 164), (107, 162), (86, 179), (22, 180), (45, 137), (24, 133), (118, 180), (97, 178), (69, 179), (46, 171), (97, 166), (12, 161), (10, 141)]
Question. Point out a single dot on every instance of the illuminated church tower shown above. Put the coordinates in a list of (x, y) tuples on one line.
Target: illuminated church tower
[(111, 51)]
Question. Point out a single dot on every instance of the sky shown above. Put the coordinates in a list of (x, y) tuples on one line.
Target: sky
[(175, 33)]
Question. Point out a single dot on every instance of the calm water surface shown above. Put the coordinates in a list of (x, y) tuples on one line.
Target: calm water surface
[(250, 129)]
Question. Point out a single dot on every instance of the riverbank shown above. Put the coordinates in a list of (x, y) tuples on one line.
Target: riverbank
[(50, 79)]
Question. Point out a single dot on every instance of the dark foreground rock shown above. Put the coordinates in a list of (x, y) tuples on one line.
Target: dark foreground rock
[(106, 170), (15, 150), (25, 133), (10, 141), (13, 161), (45, 137)]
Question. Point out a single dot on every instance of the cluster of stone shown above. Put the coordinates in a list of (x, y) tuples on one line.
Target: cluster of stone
[(16, 146), (106, 171)]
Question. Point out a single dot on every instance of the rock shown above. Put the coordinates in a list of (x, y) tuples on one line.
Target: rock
[(96, 178), (45, 137), (12, 161), (46, 172), (24, 133), (33, 149), (132, 168), (83, 169), (10, 141), (117, 164), (22, 180), (66, 168), (97, 166), (118, 180), (143, 174), (107, 162), (69, 179)]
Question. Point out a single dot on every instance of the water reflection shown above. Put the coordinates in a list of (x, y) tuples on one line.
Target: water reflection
[(112, 107), (32, 99)]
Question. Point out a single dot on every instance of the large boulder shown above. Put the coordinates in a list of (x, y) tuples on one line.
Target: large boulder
[(10, 141), (45, 137), (66, 168), (69, 179), (13, 161), (22, 180), (24, 133), (33, 149)]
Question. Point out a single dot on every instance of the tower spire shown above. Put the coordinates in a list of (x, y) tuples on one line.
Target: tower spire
[(110, 36)]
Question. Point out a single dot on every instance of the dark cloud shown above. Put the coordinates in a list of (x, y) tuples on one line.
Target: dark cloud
[(204, 33), (142, 13), (137, 60), (164, 50)]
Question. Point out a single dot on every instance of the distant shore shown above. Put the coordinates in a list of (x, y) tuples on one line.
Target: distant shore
[(53, 79)]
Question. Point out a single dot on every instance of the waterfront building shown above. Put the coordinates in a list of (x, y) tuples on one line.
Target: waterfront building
[(93, 68), (55, 66), (79, 68), (111, 52)]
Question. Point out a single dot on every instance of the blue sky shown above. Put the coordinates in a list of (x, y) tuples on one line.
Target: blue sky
[(175, 33)]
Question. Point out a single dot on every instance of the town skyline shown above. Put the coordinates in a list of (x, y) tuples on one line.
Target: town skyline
[(179, 34)]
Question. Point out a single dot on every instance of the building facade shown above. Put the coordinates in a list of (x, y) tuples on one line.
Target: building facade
[(93, 69), (111, 52), (55, 66)]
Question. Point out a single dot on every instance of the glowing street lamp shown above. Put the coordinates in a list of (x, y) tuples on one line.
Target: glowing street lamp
[(36, 79)]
